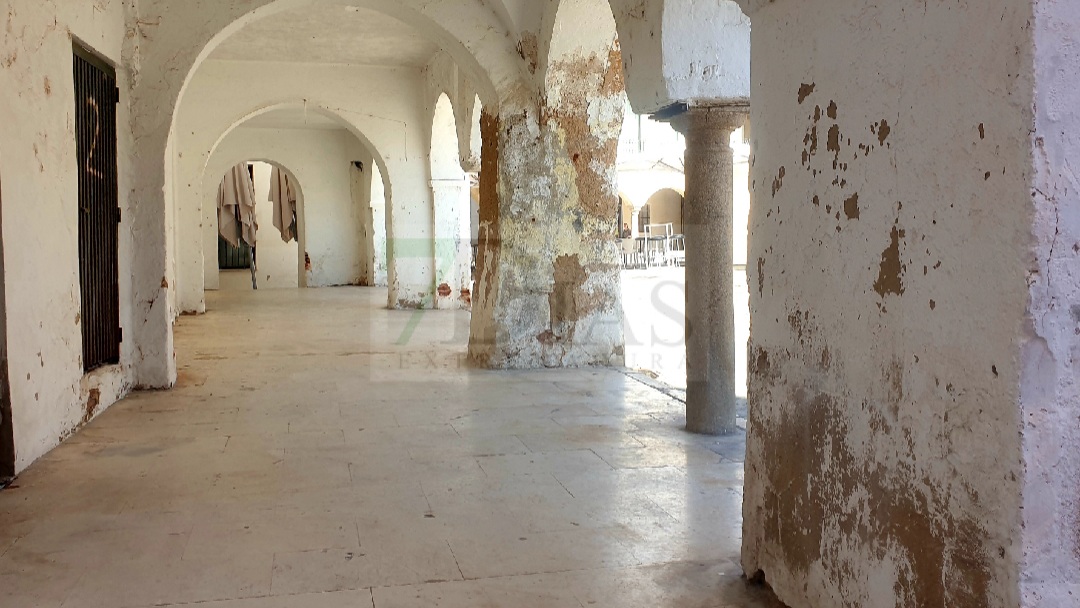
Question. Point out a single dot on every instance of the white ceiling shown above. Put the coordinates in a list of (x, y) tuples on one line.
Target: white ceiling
[(290, 117), (329, 34)]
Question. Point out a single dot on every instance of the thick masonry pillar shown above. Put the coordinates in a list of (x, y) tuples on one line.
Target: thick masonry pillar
[(707, 224)]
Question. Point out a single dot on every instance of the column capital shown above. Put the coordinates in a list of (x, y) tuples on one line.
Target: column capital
[(721, 116)]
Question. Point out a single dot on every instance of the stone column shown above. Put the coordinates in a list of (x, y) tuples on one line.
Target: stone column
[(707, 225), (635, 217)]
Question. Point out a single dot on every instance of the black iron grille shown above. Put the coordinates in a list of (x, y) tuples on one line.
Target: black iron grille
[(96, 97)]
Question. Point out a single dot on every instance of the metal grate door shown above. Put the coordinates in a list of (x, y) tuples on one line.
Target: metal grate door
[(233, 258), (96, 97)]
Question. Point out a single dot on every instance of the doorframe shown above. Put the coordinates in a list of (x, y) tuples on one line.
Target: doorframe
[(7, 426)]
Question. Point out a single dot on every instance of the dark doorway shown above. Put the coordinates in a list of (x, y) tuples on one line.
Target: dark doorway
[(7, 427), (96, 97)]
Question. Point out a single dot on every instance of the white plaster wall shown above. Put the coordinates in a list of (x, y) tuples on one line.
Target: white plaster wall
[(380, 105), (49, 392), (581, 27), (378, 219), (330, 223), (740, 223), (442, 76), (683, 50), (1050, 355), (884, 458), (450, 188), (277, 261), (360, 190)]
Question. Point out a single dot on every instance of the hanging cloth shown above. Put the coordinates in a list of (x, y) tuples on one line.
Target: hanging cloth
[(236, 207), (283, 198)]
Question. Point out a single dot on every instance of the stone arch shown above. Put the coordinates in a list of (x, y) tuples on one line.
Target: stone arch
[(475, 140), (679, 51), (172, 46), (466, 38), (666, 206), (575, 28), (445, 78), (452, 210), (319, 109), (213, 164), (223, 164), (445, 158)]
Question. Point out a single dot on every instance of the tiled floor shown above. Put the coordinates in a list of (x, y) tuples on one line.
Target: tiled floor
[(322, 452)]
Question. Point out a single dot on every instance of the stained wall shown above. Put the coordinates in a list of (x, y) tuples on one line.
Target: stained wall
[(50, 395), (889, 272)]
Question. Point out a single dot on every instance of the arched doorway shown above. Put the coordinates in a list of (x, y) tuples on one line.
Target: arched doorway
[(267, 255), (451, 191)]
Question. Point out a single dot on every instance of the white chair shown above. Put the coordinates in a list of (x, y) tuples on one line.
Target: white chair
[(631, 253), (677, 250)]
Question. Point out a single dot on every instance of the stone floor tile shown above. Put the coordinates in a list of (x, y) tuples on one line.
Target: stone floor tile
[(330, 466)]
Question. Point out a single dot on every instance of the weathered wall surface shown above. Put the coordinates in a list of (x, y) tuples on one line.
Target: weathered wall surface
[(378, 222), (548, 287), (329, 221), (50, 395), (680, 50), (888, 287), (1050, 356), (374, 103)]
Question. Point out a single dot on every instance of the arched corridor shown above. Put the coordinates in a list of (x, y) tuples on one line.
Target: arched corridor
[(899, 294)]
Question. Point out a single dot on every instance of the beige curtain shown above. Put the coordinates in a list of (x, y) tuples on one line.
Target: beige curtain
[(237, 192), (283, 198)]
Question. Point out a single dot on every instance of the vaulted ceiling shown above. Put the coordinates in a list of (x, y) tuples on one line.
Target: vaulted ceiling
[(329, 34)]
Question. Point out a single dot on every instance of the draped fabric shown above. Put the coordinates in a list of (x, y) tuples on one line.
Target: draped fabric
[(236, 207), (283, 198)]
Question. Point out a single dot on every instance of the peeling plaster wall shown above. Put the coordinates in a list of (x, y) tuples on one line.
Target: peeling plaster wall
[(379, 104), (50, 396), (1050, 355), (329, 220), (548, 287), (889, 283), (680, 50), (443, 77), (361, 177)]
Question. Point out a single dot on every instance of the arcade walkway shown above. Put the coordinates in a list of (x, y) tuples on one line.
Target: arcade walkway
[(321, 452)]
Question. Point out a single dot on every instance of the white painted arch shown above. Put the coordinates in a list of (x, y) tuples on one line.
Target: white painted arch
[(173, 38), (372, 103), (220, 165)]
